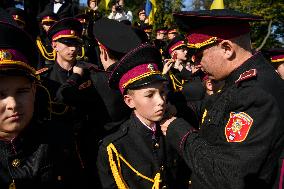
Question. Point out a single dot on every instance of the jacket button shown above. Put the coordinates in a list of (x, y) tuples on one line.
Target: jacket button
[(162, 168), (16, 163), (157, 145), (164, 187)]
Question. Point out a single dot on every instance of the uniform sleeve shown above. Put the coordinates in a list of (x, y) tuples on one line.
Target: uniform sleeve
[(105, 174), (227, 164)]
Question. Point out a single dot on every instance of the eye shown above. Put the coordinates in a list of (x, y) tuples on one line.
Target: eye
[(149, 95)]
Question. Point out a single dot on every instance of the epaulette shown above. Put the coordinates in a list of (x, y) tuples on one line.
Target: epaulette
[(120, 133), (247, 75), (42, 70)]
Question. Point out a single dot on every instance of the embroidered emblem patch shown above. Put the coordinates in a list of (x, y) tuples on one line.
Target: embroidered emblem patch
[(238, 127)]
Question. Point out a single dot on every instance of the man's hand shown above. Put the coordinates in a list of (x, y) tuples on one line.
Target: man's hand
[(165, 124), (80, 67)]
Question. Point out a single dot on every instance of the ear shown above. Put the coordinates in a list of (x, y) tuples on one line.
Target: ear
[(228, 49), (209, 85), (129, 101), (54, 45)]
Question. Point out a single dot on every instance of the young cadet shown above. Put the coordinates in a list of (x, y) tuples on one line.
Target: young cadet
[(77, 109), (26, 158), (47, 55), (242, 135), (136, 155), (112, 47), (276, 57)]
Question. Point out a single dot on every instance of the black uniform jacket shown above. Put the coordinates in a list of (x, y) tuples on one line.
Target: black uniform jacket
[(66, 10), (142, 148), (241, 135), (27, 160)]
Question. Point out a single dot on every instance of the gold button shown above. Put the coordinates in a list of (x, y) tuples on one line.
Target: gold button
[(157, 145), (16, 163), (162, 168)]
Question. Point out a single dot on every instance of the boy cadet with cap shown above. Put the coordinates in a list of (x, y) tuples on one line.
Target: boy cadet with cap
[(172, 33), (241, 137), (136, 155), (26, 159), (47, 55), (276, 57), (76, 106), (112, 47)]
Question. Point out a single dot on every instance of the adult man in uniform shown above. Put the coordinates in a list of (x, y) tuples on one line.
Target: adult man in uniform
[(241, 136)]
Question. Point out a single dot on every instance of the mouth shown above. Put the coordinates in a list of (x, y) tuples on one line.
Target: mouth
[(15, 117), (160, 112)]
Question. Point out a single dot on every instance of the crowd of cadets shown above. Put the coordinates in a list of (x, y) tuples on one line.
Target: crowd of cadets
[(95, 74)]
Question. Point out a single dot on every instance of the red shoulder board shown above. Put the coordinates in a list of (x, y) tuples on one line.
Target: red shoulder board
[(238, 126), (246, 75), (85, 85), (42, 70)]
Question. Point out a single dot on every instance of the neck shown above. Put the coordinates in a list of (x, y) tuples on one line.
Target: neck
[(66, 65), (7, 136), (145, 121)]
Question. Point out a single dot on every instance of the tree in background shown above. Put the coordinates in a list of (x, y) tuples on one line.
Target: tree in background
[(270, 32), (266, 34)]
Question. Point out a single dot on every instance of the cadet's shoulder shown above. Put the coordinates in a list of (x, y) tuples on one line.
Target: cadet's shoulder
[(118, 135)]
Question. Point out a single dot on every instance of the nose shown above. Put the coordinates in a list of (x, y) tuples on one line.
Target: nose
[(161, 99), (11, 103)]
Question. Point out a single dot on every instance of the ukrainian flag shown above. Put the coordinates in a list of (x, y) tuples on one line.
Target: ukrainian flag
[(217, 4), (150, 9), (106, 4)]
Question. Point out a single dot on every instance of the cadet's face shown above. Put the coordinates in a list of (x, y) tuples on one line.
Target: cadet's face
[(280, 70), (171, 36), (17, 96), (66, 52), (142, 17), (149, 102), (181, 54)]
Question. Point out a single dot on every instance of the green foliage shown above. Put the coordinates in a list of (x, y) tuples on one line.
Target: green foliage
[(268, 9)]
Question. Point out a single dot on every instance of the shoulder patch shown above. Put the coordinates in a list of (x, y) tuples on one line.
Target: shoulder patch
[(246, 75), (42, 70), (238, 126)]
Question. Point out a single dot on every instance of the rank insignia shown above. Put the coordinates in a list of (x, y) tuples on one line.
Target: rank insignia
[(238, 126), (85, 85), (150, 67), (5, 55)]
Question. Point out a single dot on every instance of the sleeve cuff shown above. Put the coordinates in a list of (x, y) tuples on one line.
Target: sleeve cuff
[(177, 133), (75, 79)]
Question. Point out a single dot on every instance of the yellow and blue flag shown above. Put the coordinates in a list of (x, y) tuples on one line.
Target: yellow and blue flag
[(106, 4), (150, 9), (217, 4)]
